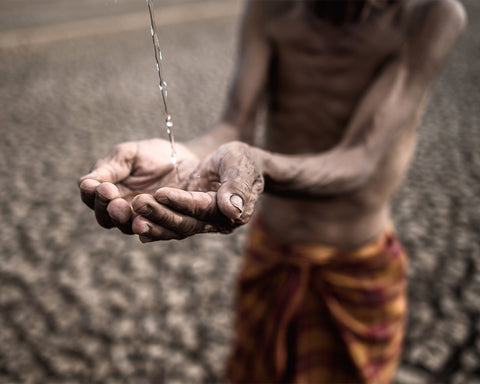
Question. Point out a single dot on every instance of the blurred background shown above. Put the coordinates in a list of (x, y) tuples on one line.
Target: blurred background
[(80, 304)]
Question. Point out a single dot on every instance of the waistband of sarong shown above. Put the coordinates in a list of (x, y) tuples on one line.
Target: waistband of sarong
[(273, 250)]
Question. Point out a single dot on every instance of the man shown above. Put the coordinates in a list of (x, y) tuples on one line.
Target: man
[(321, 297)]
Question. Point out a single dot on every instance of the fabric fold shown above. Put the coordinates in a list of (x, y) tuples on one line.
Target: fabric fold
[(319, 314)]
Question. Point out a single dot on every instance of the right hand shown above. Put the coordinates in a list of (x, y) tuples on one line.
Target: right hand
[(220, 196), (130, 169)]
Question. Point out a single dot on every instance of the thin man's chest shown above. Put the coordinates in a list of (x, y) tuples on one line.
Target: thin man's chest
[(335, 60)]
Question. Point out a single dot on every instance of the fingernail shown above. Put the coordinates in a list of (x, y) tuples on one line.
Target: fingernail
[(162, 200), (145, 230), (237, 202), (145, 210)]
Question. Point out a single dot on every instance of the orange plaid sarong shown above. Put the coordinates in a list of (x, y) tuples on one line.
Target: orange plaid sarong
[(316, 314)]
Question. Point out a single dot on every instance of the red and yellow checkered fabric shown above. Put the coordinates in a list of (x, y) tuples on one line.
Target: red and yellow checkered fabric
[(316, 314)]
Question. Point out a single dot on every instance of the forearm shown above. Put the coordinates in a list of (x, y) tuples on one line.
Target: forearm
[(393, 102), (248, 84), (333, 172)]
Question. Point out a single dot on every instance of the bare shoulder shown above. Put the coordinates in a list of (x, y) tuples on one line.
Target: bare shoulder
[(452, 10), (449, 15), (434, 27)]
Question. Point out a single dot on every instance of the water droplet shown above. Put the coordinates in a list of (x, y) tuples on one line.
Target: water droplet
[(162, 85)]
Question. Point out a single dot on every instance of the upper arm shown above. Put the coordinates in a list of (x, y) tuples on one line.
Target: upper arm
[(252, 67), (248, 83), (396, 94), (440, 24)]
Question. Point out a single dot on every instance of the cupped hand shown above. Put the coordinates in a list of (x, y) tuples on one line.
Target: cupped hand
[(130, 169), (220, 196)]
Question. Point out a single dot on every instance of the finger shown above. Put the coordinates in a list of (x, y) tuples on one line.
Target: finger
[(237, 196), (149, 231), (164, 216), (104, 193), (231, 198), (142, 204), (241, 184), (87, 191), (201, 205), (121, 214), (100, 173), (119, 210), (115, 166)]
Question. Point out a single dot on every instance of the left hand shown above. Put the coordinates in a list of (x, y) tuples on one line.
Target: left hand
[(130, 169), (219, 197)]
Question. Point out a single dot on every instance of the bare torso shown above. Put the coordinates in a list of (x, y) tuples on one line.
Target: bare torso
[(319, 73)]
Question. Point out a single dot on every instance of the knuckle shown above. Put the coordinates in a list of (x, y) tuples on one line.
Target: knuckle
[(241, 187), (188, 227), (168, 219)]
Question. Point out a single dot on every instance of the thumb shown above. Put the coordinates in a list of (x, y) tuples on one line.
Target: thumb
[(241, 182), (237, 195), (231, 200), (236, 198)]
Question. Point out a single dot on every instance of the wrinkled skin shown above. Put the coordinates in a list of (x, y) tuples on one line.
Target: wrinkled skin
[(137, 189), (128, 170)]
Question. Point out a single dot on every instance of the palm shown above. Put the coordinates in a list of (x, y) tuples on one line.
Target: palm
[(145, 166), (153, 168), (128, 170)]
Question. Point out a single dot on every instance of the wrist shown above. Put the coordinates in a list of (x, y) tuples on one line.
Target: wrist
[(260, 158), (204, 145)]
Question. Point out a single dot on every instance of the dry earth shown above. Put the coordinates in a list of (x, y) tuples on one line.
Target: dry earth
[(79, 304)]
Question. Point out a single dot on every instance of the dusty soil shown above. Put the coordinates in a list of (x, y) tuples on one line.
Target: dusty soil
[(79, 304)]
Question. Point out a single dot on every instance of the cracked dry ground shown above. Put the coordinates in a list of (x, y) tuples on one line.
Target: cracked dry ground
[(79, 304)]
